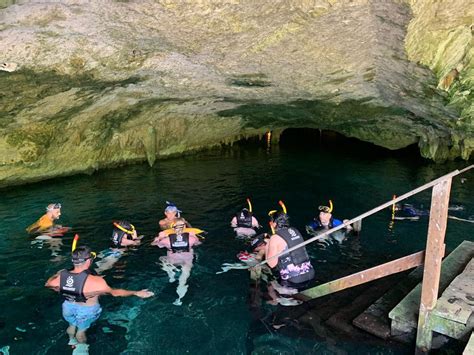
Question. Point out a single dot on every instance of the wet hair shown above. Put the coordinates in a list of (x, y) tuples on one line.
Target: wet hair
[(81, 254), (245, 211), (257, 241), (281, 219)]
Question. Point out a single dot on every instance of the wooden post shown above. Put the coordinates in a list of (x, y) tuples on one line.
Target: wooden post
[(433, 256)]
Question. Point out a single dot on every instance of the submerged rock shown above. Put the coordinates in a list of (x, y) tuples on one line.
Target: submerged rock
[(103, 84)]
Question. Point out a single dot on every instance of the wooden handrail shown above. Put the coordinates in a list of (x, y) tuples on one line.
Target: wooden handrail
[(372, 211)]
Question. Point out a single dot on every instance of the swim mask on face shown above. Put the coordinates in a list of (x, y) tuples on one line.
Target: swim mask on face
[(324, 209)]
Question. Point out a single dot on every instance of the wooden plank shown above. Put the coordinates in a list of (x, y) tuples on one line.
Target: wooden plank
[(434, 254), (406, 312), (377, 272), (457, 301), (469, 350)]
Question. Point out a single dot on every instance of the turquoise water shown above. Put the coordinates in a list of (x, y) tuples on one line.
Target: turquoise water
[(215, 318)]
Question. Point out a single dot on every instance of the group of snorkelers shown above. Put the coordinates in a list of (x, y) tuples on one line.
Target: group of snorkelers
[(82, 285)]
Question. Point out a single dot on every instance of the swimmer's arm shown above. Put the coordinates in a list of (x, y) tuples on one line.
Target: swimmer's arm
[(126, 242), (104, 288), (233, 222), (53, 281), (255, 223)]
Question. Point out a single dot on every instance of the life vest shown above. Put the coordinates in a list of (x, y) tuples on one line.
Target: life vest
[(71, 285), (244, 220), (117, 236), (179, 243), (296, 265), (317, 223)]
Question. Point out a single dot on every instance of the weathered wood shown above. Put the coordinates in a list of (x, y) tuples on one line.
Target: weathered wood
[(404, 316), (469, 350), (434, 255), (377, 272)]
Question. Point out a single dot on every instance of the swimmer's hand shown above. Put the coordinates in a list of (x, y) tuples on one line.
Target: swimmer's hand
[(144, 293)]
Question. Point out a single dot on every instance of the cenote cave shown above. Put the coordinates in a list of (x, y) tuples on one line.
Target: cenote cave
[(117, 118)]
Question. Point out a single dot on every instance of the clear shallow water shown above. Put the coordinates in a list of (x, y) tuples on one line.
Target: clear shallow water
[(215, 316)]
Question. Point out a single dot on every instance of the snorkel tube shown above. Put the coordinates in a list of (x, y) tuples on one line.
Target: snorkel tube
[(331, 206), (118, 226), (282, 206), (74, 242), (271, 213), (250, 204)]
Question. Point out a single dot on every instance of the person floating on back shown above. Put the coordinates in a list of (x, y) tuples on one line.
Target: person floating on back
[(244, 223), (81, 290), (45, 225)]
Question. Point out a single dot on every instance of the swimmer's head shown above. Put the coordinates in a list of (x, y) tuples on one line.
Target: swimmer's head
[(258, 241), (171, 211), (245, 212), (81, 254), (324, 209), (123, 228), (54, 210), (279, 218)]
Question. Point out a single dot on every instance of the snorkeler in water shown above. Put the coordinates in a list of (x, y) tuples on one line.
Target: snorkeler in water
[(81, 289), (179, 244), (244, 223), (171, 214), (46, 226), (124, 235), (325, 221)]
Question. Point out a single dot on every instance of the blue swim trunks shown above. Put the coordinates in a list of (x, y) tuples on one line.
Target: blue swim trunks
[(80, 315)]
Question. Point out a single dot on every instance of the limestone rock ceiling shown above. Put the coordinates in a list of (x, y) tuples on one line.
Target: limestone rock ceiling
[(99, 84)]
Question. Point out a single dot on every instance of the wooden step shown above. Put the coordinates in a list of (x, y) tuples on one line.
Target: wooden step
[(404, 317), (374, 319)]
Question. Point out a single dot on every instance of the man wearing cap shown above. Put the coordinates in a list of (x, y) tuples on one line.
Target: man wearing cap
[(81, 290), (294, 268), (46, 223), (171, 212)]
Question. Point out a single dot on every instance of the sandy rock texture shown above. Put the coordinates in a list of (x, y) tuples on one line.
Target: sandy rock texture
[(99, 84)]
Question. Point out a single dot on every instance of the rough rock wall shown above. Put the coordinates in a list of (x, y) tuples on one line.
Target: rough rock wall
[(105, 83), (440, 36)]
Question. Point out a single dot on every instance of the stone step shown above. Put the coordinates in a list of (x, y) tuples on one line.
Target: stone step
[(469, 350), (404, 316)]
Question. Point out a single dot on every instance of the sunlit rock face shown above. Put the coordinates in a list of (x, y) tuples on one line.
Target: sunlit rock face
[(89, 85)]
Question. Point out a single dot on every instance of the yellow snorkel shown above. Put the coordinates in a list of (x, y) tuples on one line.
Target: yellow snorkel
[(270, 214), (331, 206), (74, 242), (116, 225), (250, 205)]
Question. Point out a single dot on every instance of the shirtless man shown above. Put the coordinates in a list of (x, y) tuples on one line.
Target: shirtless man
[(81, 290), (180, 253), (46, 223), (171, 214)]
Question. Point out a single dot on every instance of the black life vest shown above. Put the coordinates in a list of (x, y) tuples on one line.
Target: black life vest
[(117, 236), (71, 285), (291, 263), (179, 243), (244, 219)]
